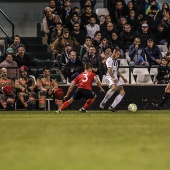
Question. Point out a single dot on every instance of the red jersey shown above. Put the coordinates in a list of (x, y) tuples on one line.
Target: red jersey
[(85, 80)]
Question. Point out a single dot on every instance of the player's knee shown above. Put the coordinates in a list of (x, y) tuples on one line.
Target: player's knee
[(122, 93)]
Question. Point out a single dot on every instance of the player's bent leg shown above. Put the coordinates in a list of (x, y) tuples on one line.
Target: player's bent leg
[(118, 99), (65, 105), (88, 103), (108, 95)]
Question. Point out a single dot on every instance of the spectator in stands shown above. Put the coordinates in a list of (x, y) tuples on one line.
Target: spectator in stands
[(58, 45), (137, 54), (84, 48), (103, 45), (55, 8), (46, 85), (22, 58), (8, 62), (74, 66), (74, 18), (165, 20), (17, 43), (110, 29), (160, 33), (84, 3), (117, 42), (153, 53), (25, 87), (92, 27), (85, 18), (63, 58), (48, 23), (57, 32), (96, 41), (103, 26), (117, 11), (121, 24), (78, 34), (59, 4), (76, 10), (6, 100), (145, 34), (66, 11), (149, 4), (112, 3), (132, 19), (163, 72), (8, 51), (94, 58), (127, 37), (165, 5), (153, 18), (139, 7)]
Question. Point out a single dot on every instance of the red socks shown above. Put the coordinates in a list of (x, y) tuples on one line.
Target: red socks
[(64, 105), (88, 103)]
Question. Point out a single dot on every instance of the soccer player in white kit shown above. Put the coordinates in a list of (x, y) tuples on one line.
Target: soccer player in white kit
[(113, 82)]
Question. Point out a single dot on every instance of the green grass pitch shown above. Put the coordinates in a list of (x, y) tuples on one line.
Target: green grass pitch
[(96, 140)]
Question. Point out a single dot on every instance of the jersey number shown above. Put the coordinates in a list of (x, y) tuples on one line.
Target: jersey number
[(85, 78)]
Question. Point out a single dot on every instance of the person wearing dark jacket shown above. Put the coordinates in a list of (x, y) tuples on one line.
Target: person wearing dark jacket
[(95, 59), (137, 54), (153, 53), (74, 66), (163, 71), (22, 58)]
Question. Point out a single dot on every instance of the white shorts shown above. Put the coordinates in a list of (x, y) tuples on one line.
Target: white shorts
[(109, 82)]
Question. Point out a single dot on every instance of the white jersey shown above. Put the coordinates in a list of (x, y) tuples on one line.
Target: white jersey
[(114, 65)]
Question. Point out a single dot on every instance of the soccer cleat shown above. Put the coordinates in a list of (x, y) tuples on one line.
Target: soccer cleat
[(112, 109), (58, 111), (156, 106), (82, 110), (102, 105)]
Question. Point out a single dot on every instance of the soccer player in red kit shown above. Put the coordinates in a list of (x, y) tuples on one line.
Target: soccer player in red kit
[(84, 88)]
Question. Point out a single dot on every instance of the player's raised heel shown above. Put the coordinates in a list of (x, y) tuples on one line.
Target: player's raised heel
[(102, 105), (82, 110), (112, 109), (58, 111)]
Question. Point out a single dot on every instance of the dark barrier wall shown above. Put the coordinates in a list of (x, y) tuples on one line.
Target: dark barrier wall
[(143, 96)]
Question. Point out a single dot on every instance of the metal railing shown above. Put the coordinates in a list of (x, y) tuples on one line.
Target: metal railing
[(2, 12)]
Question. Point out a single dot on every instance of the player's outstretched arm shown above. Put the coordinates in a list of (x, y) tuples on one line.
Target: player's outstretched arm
[(124, 79), (70, 89), (99, 84)]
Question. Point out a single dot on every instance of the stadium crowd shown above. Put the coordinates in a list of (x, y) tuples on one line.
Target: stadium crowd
[(78, 35)]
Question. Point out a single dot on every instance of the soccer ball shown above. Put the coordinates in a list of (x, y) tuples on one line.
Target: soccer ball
[(132, 107)]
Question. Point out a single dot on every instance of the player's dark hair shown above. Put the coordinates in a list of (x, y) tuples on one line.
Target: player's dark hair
[(88, 66)]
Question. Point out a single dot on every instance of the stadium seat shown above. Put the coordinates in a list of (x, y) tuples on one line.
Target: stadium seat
[(163, 48), (141, 70), (123, 62), (144, 79), (126, 75), (153, 73), (102, 11)]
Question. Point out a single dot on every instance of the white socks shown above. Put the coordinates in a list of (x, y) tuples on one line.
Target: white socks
[(108, 95), (117, 100)]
